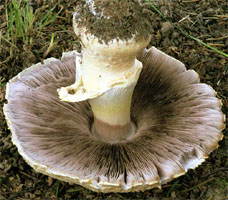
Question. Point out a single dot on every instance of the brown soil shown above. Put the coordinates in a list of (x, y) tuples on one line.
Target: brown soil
[(116, 19), (206, 20)]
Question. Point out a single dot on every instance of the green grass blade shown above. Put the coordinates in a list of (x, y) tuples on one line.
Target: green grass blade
[(28, 20), (187, 34), (2, 84), (7, 20), (31, 18), (18, 21), (11, 29), (57, 191), (45, 20), (26, 16), (50, 19), (208, 46)]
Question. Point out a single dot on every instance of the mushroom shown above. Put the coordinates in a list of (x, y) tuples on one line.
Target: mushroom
[(123, 123)]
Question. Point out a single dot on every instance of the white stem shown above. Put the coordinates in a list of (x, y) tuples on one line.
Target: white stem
[(106, 75)]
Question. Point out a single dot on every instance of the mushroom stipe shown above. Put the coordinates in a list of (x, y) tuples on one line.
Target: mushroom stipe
[(178, 123)]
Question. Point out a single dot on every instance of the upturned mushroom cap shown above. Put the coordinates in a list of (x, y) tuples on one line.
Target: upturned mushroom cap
[(178, 119)]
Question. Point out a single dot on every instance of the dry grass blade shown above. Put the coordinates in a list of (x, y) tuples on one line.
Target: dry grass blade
[(200, 184), (185, 33), (74, 190)]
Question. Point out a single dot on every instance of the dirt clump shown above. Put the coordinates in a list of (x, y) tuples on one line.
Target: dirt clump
[(109, 19)]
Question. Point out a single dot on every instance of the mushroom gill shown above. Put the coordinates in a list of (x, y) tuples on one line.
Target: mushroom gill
[(178, 123)]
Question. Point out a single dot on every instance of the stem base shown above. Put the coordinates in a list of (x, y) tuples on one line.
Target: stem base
[(112, 133)]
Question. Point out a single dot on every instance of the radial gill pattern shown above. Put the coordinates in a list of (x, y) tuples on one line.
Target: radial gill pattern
[(178, 121)]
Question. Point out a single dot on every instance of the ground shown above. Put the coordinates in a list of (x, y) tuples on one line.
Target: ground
[(206, 20)]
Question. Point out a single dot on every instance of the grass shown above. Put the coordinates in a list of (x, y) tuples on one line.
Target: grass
[(173, 187), (51, 45), (185, 33), (77, 189), (21, 21), (221, 182), (57, 191)]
